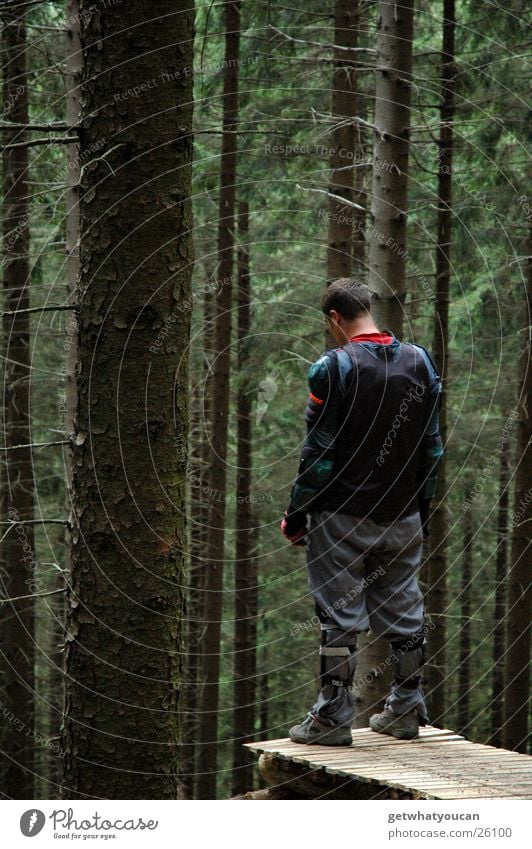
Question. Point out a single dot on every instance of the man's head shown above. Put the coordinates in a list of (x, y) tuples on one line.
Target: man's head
[(347, 306)]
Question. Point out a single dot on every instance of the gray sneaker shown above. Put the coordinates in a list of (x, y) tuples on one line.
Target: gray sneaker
[(404, 727), (314, 732)]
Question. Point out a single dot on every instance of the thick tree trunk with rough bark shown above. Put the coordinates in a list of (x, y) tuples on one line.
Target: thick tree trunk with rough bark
[(517, 691), (436, 564), (387, 243), (17, 579), (499, 611), (343, 141), (123, 639), (221, 368), (246, 597)]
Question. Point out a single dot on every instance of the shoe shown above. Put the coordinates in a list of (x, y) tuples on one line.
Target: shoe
[(314, 732), (404, 727)]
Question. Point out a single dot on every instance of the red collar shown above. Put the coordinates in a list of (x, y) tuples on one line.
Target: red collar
[(383, 338)]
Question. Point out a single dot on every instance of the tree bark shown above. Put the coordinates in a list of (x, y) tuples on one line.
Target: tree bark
[(67, 406), (124, 628), (464, 660), (499, 612), (519, 595), (387, 242), (387, 239), (18, 544), (221, 379), (199, 530), (343, 141), (246, 596), (436, 564)]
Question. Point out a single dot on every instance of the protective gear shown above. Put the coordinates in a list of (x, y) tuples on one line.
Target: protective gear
[(408, 655), (432, 448), (386, 440), (294, 527), (312, 473), (338, 657), (316, 458)]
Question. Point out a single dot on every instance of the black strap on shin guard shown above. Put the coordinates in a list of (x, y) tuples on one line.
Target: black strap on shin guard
[(408, 657)]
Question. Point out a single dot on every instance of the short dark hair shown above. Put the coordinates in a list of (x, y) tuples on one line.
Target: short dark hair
[(348, 297)]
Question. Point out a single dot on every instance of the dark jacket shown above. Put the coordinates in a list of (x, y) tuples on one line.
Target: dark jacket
[(373, 443)]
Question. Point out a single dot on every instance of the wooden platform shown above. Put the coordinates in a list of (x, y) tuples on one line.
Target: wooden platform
[(440, 764)]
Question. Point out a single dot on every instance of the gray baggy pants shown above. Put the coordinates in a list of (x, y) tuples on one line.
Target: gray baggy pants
[(363, 575)]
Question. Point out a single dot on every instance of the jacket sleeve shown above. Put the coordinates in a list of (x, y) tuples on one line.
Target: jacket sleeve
[(432, 448), (322, 417)]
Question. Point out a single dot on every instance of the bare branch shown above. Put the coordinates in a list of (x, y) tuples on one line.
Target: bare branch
[(369, 50), (33, 595), (48, 127), (329, 194), (49, 308), (36, 522), (36, 445), (37, 142)]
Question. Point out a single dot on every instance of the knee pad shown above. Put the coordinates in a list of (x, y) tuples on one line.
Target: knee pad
[(338, 657), (407, 657)]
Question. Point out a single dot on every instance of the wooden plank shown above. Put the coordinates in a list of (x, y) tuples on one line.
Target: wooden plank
[(439, 764)]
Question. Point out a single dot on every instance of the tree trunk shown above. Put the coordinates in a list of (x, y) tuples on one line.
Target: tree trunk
[(18, 544), (499, 612), (246, 597), (436, 565), (464, 660), (518, 621), (343, 141), (56, 604), (387, 244), (123, 641), (221, 368), (199, 529), (387, 240)]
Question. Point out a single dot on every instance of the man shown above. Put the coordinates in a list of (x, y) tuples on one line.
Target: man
[(366, 476)]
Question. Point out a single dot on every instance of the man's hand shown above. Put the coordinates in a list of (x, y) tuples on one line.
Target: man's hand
[(294, 527)]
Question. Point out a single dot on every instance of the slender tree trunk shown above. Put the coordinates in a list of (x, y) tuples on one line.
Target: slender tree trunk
[(73, 67), (436, 565), (194, 596), (55, 672), (221, 367), (199, 530), (123, 673), (246, 599), (519, 595), (19, 550), (499, 612), (343, 140), (387, 244), (464, 661)]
